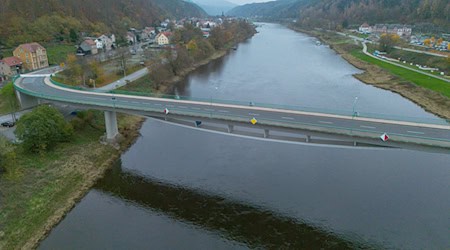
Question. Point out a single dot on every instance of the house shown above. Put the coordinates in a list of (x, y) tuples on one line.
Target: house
[(399, 29), (365, 28), (10, 66), (104, 42), (32, 55), (88, 47), (148, 33), (163, 38), (130, 38)]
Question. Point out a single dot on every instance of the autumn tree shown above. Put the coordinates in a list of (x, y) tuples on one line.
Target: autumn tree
[(388, 41)]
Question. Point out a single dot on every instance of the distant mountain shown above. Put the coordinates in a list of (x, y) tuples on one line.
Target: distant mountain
[(333, 13), (215, 7), (270, 10), (48, 20)]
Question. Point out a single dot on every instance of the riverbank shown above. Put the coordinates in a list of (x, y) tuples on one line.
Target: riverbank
[(43, 188), (142, 84), (377, 76)]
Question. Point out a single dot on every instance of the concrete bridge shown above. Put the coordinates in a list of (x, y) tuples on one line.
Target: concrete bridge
[(233, 117)]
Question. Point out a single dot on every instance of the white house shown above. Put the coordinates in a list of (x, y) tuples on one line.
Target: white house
[(365, 28), (104, 42)]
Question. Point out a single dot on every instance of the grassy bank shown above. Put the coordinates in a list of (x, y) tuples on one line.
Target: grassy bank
[(58, 53), (429, 93), (422, 80), (42, 188), (8, 100)]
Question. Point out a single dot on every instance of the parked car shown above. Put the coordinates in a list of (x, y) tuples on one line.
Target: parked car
[(8, 124)]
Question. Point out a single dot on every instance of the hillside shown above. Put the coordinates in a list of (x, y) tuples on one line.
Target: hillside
[(49, 20), (270, 10), (332, 13), (215, 7)]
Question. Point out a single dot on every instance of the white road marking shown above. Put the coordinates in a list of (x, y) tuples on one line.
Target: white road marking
[(183, 107), (415, 132), (253, 114), (158, 104), (170, 106), (135, 102), (224, 111), (195, 108), (209, 109), (324, 122), (369, 127), (287, 118)]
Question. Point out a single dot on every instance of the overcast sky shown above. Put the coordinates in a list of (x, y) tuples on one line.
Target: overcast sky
[(241, 2)]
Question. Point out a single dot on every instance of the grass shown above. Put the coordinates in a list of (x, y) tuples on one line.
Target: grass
[(57, 53), (422, 80), (43, 185), (142, 84), (8, 100)]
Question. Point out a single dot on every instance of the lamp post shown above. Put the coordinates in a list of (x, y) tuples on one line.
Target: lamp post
[(354, 106)]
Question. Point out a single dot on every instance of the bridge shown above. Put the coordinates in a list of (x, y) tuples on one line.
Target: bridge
[(269, 121)]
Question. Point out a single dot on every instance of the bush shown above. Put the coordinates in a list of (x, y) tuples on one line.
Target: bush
[(41, 129)]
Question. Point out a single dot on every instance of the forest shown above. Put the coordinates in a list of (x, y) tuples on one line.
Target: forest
[(61, 20)]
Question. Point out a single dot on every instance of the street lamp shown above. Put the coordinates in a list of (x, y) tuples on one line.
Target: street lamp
[(354, 106)]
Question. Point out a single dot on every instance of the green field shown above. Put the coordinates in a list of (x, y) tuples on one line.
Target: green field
[(422, 80), (58, 53)]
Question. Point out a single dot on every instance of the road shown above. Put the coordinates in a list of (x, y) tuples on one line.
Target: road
[(124, 81), (402, 66), (41, 86)]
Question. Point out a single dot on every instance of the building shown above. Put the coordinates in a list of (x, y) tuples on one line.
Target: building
[(399, 29), (104, 42), (32, 55), (163, 38), (365, 28), (9, 66), (88, 47)]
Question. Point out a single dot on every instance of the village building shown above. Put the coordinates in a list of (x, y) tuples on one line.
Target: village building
[(88, 47), (32, 55), (10, 66), (163, 38)]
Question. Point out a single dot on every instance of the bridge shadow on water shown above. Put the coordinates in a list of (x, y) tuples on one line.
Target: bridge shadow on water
[(253, 226)]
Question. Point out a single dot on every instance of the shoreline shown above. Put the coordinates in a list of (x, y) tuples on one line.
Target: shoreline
[(429, 100), (130, 135)]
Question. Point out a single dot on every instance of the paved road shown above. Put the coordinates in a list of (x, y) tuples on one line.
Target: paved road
[(41, 86), (122, 82)]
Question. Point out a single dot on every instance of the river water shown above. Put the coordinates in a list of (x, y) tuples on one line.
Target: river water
[(180, 188)]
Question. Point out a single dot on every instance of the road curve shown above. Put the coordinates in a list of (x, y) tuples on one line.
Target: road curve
[(40, 86)]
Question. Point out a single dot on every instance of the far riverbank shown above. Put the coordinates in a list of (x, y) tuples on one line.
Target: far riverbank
[(431, 101)]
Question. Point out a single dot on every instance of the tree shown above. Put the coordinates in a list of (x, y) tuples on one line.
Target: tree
[(41, 129), (73, 35), (388, 41), (7, 155)]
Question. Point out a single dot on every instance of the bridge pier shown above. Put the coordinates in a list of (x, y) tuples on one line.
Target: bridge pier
[(27, 101), (230, 128), (308, 138), (266, 133), (112, 130)]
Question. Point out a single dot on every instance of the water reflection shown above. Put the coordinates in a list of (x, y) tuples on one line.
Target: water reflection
[(253, 226)]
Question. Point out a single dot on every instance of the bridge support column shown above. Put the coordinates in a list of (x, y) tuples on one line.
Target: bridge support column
[(266, 133), (308, 138), (230, 128), (112, 130), (355, 143), (26, 101)]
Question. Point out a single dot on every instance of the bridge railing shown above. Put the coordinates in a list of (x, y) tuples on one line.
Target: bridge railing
[(437, 121), (119, 104)]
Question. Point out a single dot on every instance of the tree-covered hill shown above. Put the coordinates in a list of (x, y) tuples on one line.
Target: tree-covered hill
[(328, 13), (46, 20)]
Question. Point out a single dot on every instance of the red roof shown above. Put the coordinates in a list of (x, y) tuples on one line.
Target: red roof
[(90, 42), (365, 25), (31, 47), (12, 61)]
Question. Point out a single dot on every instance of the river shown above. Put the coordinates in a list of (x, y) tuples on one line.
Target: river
[(180, 188)]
